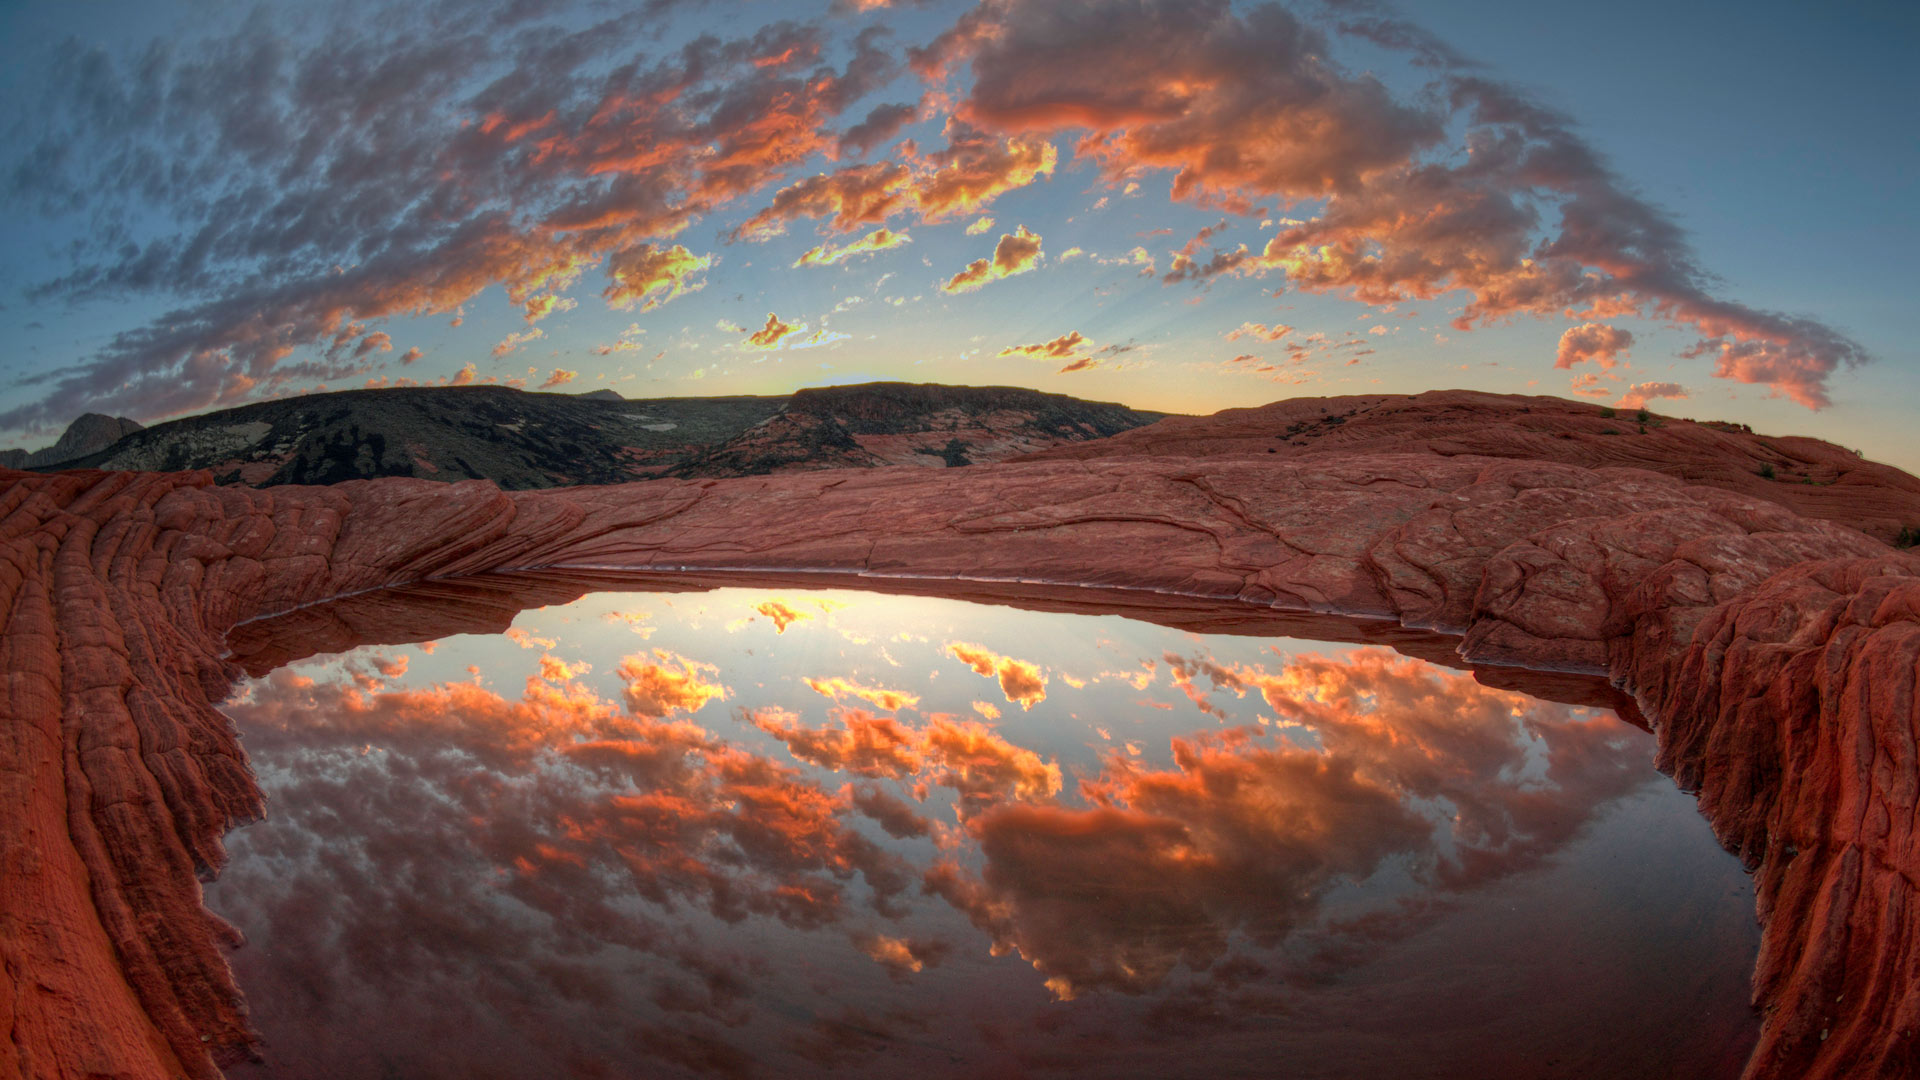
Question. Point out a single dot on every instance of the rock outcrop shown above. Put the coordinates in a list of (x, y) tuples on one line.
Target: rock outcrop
[(1775, 654), (90, 434), (1812, 477), (875, 424), (520, 439)]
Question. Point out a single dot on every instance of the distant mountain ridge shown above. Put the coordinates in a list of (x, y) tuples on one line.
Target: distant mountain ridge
[(91, 433), (521, 439)]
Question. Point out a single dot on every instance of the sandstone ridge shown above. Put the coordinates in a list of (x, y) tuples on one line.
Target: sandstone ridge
[(1775, 654), (1810, 476)]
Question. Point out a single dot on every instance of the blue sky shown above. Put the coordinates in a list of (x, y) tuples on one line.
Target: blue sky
[(361, 178)]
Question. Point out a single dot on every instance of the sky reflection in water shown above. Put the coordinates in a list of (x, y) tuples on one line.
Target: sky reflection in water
[(754, 833)]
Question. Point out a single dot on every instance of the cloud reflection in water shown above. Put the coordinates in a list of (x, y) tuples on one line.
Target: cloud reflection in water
[(700, 859)]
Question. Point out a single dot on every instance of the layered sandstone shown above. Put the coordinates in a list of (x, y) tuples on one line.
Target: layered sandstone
[(1775, 654), (1811, 476)]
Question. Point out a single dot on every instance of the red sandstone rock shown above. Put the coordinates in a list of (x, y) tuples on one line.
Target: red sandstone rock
[(1814, 478), (1775, 654)]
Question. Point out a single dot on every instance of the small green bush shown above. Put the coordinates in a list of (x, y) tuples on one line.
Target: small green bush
[(1766, 470), (1643, 416), (1607, 412), (1909, 537)]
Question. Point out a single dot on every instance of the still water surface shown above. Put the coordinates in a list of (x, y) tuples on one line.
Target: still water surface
[(754, 833)]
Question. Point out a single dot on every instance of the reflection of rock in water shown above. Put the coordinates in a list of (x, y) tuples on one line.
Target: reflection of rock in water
[(623, 872), (1775, 654)]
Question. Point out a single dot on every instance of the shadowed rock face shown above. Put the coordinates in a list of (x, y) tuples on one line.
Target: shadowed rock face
[(1774, 654), (523, 440), (929, 425), (90, 433)]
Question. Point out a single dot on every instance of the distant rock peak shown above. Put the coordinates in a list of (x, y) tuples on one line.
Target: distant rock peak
[(89, 434)]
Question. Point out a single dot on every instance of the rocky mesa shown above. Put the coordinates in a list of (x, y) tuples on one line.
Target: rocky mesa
[(521, 439)]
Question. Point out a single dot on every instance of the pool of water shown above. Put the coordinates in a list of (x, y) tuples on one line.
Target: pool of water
[(784, 833)]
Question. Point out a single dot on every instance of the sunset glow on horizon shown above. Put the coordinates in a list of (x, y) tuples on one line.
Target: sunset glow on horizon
[(1181, 205)]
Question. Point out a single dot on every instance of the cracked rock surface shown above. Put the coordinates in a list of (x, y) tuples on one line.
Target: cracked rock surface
[(1774, 654)]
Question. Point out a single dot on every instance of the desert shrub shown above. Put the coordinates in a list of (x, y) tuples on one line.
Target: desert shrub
[(1766, 470)]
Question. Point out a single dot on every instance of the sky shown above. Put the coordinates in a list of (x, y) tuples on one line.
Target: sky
[(1183, 205)]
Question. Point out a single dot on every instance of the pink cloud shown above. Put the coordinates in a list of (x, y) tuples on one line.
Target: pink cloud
[(1592, 341), (1639, 394)]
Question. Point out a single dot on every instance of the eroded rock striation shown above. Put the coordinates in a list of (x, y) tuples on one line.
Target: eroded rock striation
[(1811, 476), (1775, 654)]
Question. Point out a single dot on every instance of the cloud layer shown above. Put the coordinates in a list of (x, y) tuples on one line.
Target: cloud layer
[(283, 196)]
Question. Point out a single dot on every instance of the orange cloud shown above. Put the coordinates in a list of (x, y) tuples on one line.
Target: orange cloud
[(902, 956), (1264, 333), (1242, 107), (628, 342), (978, 226), (837, 687), (1243, 835), (1016, 253), (582, 164), (512, 342), (1592, 341), (378, 341), (559, 377), (1639, 394), (865, 744), (1587, 384), (651, 276), (771, 335), (1020, 681), (555, 670), (1183, 672), (854, 196), (1074, 347), (974, 170), (964, 755), (782, 615), (667, 684), (1237, 108), (412, 354), (539, 307), (588, 806), (1060, 348), (877, 240), (982, 766)]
